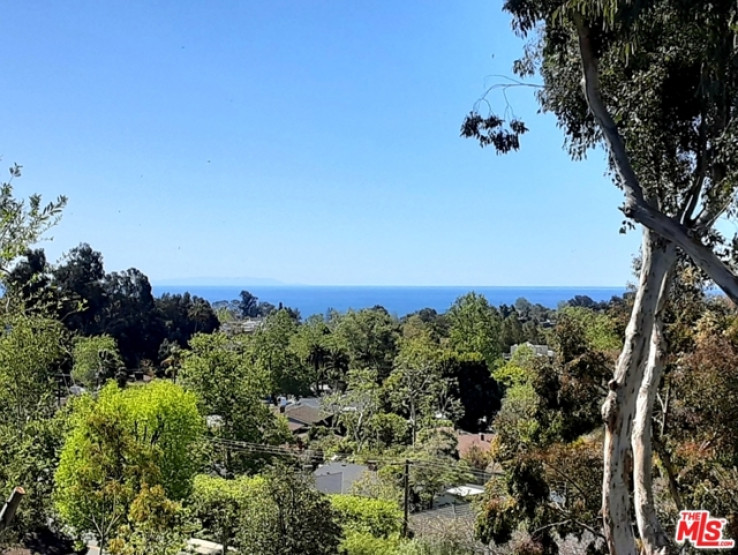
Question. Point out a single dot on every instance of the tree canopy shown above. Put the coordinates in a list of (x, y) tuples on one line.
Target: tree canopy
[(659, 88)]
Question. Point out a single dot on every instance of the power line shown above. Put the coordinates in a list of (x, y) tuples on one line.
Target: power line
[(314, 454)]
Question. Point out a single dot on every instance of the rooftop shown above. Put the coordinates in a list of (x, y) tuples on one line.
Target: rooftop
[(338, 477)]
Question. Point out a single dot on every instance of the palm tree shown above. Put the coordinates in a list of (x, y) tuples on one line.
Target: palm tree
[(337, 365), (318, 356)]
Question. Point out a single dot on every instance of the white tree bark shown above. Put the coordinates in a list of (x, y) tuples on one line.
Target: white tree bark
[(636, 206), (643, 341), (654, 540), (619, 409)]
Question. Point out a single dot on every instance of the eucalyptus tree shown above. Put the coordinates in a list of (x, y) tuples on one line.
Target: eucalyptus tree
[(79, 280), (655, 82), (358, 406)]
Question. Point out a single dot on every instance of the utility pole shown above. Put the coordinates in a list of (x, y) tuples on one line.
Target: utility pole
[(407, 498)]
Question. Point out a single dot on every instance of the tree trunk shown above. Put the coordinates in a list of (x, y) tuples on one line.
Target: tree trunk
[(636, 206), (619, 408), (654, 539)]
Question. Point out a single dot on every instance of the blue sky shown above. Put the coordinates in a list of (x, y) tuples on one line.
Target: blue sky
[(312, 142)]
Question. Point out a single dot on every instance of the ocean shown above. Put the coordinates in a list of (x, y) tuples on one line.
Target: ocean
[(396, 300)]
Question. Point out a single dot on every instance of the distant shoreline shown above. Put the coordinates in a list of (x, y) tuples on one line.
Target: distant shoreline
[(398, 300)]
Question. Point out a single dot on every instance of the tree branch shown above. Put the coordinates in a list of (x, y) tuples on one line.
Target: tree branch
[(636, 207)]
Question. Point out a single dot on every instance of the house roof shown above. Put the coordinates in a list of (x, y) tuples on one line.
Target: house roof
[(315, 402), (330, 483), (466, 441), (305, 414), (442, 520), (295, 426), (338, 477)]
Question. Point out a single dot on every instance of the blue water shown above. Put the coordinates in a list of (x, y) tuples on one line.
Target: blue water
[(397, 300)]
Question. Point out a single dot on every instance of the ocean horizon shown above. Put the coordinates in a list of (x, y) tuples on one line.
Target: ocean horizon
[(397, 300)]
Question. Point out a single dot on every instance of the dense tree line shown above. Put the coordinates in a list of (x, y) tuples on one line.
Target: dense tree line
[(204, 450), (90, 302)]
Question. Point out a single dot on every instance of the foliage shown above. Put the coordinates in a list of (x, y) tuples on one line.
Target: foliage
[(154, 526), (119, 304), (579, 330), (358, 407), (519, 420), (79, 280), (96, 359), (272, 355), (552, 476), (250, 307), (491, 130), (661, 91), (298, 519), (478, 393), (385, 430), (129, 315), (311, 345), (182, 316), (28, 285), (477, 458), (385, 486), (369, 337), (425, 320), (222, 506), (23, 222), (417, 388), (475, 327), (433, 467), (556, 400), (378, 517), (697, 445), (706, 396), (28, 458), (364, 543), (220, 371), (31, 352), (118, 443), (552, 489)]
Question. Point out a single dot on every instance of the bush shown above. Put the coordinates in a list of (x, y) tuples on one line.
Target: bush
[(378, 517)]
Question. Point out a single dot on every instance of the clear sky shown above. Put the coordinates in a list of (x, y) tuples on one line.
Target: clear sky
[(312, 142)]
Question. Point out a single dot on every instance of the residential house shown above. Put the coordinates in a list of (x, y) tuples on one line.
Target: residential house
[(303, 414), (339, 477), (466, 441)]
